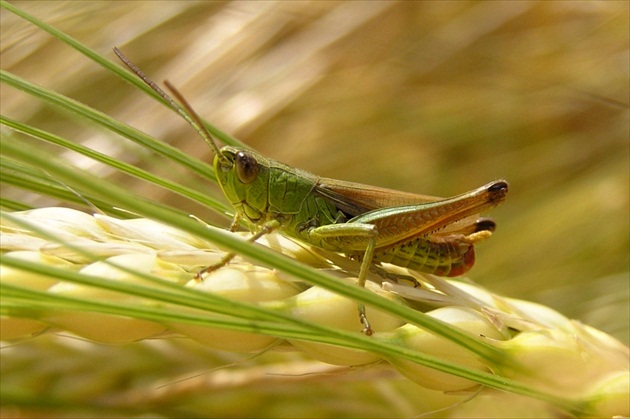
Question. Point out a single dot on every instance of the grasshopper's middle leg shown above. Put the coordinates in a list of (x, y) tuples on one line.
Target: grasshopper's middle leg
[(336, 233)]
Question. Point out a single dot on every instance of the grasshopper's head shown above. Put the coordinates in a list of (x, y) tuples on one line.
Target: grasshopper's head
[(244, 179)]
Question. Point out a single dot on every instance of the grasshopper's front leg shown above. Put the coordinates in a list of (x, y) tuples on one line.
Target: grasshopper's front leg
[(266, 228), (353, 230)]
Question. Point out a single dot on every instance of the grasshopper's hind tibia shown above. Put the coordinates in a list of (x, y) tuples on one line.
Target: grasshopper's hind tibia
[(365, 267)]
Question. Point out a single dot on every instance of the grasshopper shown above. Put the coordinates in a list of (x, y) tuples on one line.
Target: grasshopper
[(367, 223)]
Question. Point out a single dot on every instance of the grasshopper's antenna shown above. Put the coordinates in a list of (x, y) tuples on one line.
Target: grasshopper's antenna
[(184, 110), (193, 118)]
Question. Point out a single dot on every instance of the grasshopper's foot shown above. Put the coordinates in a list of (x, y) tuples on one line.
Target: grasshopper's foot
[(226, 259), (367, 329), (199, 275)]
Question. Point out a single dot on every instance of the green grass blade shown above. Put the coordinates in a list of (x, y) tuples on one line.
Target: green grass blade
[(123, 167)]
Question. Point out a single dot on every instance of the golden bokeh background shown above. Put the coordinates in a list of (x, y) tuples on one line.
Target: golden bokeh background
[(430, 97)]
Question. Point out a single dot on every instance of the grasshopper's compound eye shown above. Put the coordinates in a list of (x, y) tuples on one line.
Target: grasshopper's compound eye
[(246, 167)]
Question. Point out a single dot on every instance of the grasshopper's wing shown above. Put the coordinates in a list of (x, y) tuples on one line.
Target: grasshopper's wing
[(355, 199)]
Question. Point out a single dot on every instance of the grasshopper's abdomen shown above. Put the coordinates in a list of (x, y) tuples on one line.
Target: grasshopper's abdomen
[(442, 257)]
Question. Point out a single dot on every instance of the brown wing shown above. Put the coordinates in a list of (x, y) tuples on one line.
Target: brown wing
[(355, 198)]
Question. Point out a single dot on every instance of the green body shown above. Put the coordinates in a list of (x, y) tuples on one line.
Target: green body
[(406, 230)]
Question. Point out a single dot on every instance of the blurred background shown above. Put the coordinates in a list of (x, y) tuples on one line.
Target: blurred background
[(429, 97)]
